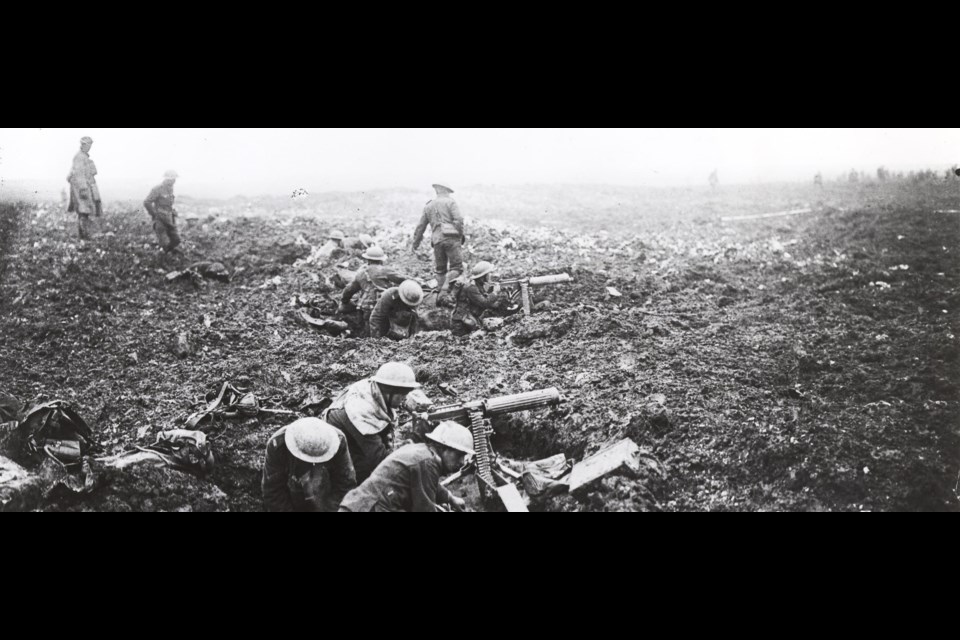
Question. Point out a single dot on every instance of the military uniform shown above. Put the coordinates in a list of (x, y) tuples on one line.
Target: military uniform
[(84, 194), (393, 318), (159, 204), (407, 480), (370, 282), (470, 305), (446, 223), (360, 411), (291, 484)]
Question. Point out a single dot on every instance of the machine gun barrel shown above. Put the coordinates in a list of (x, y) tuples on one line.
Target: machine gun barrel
[(535, 281), (500, 405)]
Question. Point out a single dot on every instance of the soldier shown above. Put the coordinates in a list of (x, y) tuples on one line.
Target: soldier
[(366, 412), (337, 237), (395, 315), (339, 247), (818, 180), (357, 245), (409, 478), (307, 468), (714, 180), (371, 280), (84, 194), (475, 298), (447, 237), (159, 204)]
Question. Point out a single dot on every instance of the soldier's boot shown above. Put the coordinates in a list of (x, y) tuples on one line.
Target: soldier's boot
[(444, 299)]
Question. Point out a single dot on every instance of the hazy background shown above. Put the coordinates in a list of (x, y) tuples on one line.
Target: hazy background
[(220, 163)]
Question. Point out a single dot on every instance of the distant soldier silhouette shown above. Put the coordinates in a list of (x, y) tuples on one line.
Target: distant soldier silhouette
[(84, 194), (714, 180), (818, 180)]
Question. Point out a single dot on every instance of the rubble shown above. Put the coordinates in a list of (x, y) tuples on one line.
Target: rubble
[(19, 489), (804, 317)]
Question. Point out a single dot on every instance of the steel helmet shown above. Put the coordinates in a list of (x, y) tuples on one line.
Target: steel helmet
[(411, 293), (336, 234), (374, 253), (453, 435), (312, 440), (397, 374), (481, 269)]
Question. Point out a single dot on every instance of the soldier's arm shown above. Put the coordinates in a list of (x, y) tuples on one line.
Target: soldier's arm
[(478, 299), (343, 477), (76, 170), (351, 289), (415, 324), (418, 234), (150, 203), (276, 496), (456, 217), (394, 277), (380, 318), (443, 496)]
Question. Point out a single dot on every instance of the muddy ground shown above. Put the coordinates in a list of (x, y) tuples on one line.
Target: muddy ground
[(805, 362)]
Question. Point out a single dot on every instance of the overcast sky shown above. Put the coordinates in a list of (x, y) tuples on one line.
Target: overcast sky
[(226, 162)]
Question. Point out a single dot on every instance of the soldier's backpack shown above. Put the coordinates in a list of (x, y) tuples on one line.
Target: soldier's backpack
[(53, 429), (184, 450)]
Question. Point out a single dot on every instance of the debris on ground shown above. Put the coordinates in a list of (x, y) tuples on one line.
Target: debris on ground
[(744, 357)]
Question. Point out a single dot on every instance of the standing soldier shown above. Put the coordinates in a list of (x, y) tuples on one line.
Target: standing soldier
[(366, 413), (395, 315), (84, 194), (371, 280), (159, 204), (307, 468), (446, 223), (474, 298), (714, 180)]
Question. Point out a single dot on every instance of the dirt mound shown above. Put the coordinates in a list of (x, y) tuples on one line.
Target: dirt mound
[(808, 362)]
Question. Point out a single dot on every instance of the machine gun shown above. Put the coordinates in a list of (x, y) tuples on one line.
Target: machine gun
[(522, 286), (492, 476)]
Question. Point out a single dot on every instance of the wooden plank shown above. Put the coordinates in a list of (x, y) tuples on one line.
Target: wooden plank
[(620, 457), (512, 499)]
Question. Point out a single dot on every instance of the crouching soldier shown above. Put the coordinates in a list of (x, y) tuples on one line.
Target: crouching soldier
[(409, 479), (395, 315), (307, 468), (371, 280), (159, 204), (475, 298), (366, 412)]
